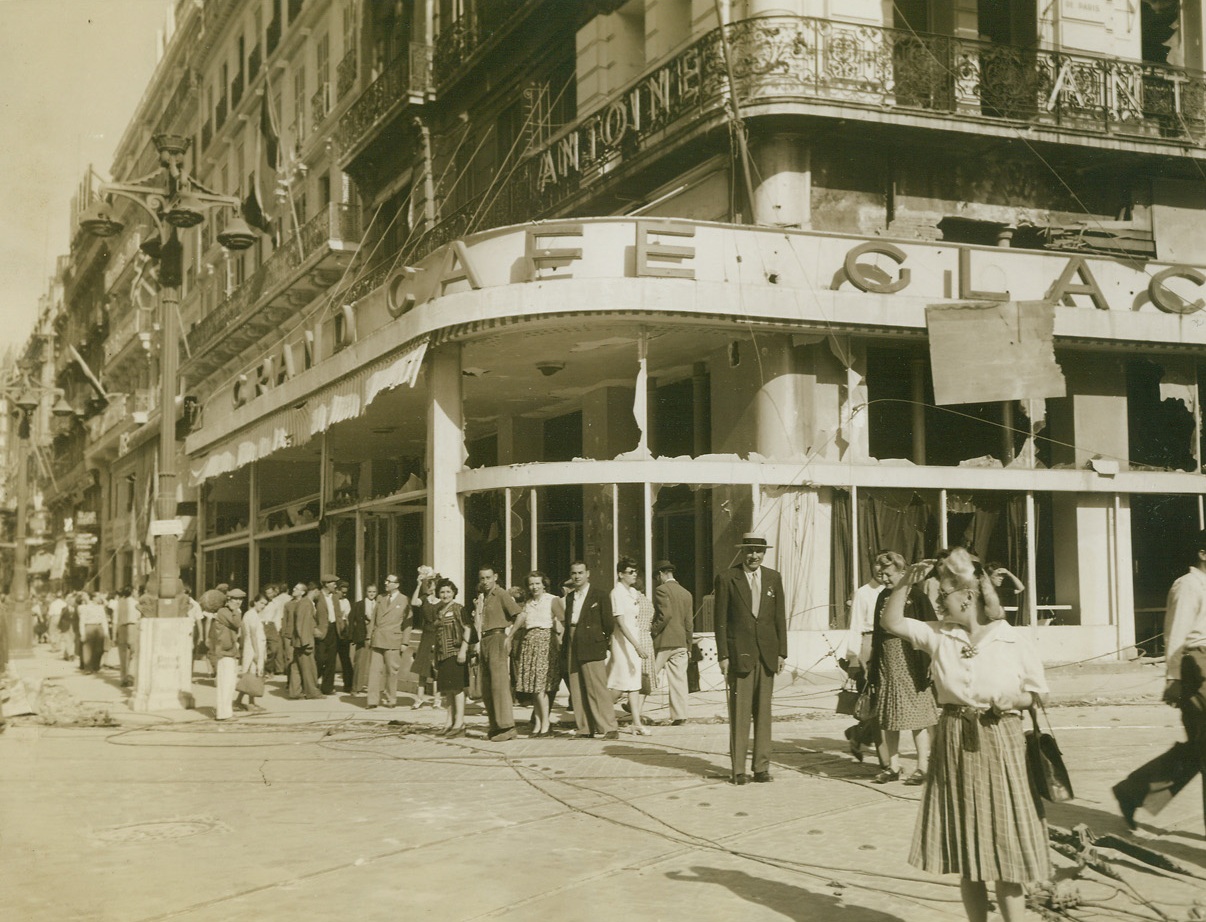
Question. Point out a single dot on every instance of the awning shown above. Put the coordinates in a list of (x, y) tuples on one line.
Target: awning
[(339, 401)]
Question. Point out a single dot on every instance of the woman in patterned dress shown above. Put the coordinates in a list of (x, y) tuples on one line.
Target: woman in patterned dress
[(978, 817), (624, 665), (900, 674), (542, 620)]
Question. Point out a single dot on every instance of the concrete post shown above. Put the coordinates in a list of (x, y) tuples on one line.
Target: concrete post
[(782, 197), (445, 520)]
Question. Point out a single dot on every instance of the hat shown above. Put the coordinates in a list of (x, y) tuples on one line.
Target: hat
[(329, 578), (236, 594), (749, 539), (663, 565)]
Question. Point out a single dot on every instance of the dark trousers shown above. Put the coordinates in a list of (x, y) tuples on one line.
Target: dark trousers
[(92, 648), (326, 656), (303, 676), (274, 654), (496, 681), (750, 698), (1153, 785)]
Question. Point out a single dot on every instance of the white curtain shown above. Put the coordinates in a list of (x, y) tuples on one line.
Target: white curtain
[(797, 523)]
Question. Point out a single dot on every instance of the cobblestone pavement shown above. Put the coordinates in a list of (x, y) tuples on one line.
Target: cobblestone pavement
[(332, 811)]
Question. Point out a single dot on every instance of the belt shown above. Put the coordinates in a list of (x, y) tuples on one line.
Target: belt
[(493, 630), (971, 719)]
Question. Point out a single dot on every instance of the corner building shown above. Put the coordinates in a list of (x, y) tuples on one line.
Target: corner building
[(574, 280)]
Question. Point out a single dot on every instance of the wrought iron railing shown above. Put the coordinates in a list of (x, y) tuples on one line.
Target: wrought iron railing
[(407, 75), (116, 412), (338, 222), (133, 323), (795, 58), (456, 43), (345, 74)]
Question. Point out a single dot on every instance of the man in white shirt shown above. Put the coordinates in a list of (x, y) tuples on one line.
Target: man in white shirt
[(1157, 782)]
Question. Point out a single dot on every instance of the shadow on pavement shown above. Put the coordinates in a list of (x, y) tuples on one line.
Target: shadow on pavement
[(792, 902), (663, 758), (1101, 822)]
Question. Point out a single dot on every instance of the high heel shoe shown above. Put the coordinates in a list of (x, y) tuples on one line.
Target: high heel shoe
[(454, 733)]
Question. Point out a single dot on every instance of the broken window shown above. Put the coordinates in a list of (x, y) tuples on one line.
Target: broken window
[(1160, 417)]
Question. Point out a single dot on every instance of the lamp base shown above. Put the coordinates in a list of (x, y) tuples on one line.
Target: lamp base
[(164, 676)]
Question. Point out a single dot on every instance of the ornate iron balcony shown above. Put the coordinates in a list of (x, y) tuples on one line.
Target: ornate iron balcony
[(403, 80), (345, 74), (320, 104), (462, 37), (336, 222)]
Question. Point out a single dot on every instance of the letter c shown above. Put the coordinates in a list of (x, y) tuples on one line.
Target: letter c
[(1169, 301), (861, 278)]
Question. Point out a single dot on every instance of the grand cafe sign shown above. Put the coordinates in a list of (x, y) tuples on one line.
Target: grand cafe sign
[(756, 260)]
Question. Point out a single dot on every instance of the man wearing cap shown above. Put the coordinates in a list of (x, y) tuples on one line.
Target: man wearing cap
[(673, 623), (224, 645), (751, 643), (327, 649)]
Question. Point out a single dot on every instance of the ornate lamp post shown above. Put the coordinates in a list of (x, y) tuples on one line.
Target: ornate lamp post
[(174, 200), (25, 398)]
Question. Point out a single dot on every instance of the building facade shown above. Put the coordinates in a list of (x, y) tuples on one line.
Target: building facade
[(546, 281)]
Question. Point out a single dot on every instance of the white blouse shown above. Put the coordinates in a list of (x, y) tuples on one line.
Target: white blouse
[(538, 613), (1003, 662)]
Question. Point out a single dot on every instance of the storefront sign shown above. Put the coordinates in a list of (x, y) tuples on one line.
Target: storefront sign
[(751, 258)]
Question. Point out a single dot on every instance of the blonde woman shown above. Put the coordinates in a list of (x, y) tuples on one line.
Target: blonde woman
[(978, 818)]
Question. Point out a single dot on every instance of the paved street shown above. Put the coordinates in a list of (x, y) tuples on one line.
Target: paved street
[(316, 809)]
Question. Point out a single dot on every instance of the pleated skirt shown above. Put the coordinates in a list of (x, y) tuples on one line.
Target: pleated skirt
[(978, 818)]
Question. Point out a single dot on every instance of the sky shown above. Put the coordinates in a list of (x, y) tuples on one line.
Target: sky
[(73, 72)]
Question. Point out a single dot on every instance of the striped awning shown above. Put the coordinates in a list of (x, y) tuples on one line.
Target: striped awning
[(341, 400)]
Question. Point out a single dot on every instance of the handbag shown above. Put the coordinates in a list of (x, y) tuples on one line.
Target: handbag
[(847, 698), (864, 705), (474, 691), (250, 684), (1045, 764)]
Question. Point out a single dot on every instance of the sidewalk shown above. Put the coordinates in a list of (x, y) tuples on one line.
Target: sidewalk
[(798, 695)]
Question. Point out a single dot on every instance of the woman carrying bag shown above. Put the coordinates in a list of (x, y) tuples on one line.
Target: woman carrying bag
[(978, 818)]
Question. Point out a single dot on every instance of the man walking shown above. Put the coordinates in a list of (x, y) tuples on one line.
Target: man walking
[(751, 643), (673, 624), (387, 635), (1156, 783), (493, 612), (589, 625), (327, 648), (300, 630)]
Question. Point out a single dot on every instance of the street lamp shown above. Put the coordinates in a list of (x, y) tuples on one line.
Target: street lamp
[(25, 398), (174, 200)]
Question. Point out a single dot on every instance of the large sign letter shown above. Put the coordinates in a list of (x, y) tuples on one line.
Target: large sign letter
[(863, 276)]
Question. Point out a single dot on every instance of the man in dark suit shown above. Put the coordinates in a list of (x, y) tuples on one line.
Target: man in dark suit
[(358, 622), (388, 633), (589, 624), (300, 629), (673, 624), (327, 648), (751, 644)]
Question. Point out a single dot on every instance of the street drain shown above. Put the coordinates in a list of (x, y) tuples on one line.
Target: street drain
[(160, 831)]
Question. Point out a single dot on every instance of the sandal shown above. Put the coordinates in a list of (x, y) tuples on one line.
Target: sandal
[(641, 731), (915, 779), (886, 776)]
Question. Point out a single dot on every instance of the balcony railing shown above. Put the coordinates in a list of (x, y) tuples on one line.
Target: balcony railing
[(789, 59), (345, 74), (320, 104), (337, 222), (131, 325), (115, 413), (457, 43), (407, 76)]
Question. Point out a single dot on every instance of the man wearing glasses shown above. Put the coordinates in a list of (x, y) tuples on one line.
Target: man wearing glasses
[(387, 634)]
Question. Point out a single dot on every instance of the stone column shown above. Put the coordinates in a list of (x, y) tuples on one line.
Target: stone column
[(444, 525), (783, 171)]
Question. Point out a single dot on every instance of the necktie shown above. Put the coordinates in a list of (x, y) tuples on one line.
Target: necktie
[(756, 591)]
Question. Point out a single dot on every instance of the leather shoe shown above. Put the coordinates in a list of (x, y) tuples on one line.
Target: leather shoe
[(1126, 804), (677, 723), (741, 779), (611, 735), (503, 736), (856, 750), (762, 777), (886, 776)]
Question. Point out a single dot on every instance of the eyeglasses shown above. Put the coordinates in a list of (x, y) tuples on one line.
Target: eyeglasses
[(391, 580)]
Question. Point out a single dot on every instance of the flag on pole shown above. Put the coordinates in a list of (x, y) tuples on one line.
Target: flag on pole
[(257, 209)]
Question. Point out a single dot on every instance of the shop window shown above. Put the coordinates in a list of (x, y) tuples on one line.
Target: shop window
[(1162, 527), (288, 494), (672, 429), (228, 503), (1160, 429), (290, 558), (228, 565), (482, 452), (1160, 31)]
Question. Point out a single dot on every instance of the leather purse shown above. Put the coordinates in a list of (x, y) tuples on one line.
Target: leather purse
[(1049, 778), (847, 699), (249, 683)]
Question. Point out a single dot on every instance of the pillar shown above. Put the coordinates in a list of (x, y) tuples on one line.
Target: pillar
[(444, 523), (783, 168), (520, 440)]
